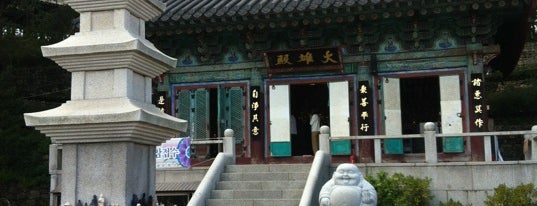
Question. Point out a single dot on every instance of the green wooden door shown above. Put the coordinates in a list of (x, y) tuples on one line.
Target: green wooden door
[(183, 108), (228, 107), (234, 112), (200, 114)]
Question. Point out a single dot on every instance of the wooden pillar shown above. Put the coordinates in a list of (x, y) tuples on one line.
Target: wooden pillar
[(478, 118), (366, 121)]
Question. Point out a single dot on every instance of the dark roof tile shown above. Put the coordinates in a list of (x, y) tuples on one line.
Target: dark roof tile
[(184, 11), (196, 8), (327, 3), (214, 9), (315, 4), (246, 7), (257, 7), (349, 2), (281, 5), (302, 5), (180, 10), (171, 8), (269, 6), (236, 8), (293, 4), (190, 9)]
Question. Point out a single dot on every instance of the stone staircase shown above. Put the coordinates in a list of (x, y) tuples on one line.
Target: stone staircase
[(260, 185)]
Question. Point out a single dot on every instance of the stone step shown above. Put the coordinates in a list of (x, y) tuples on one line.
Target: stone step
[(269, 168), (263, 176), (256, 202), (260, 185), (256, 194)]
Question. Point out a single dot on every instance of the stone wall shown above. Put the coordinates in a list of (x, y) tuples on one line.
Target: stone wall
[(466, 182)]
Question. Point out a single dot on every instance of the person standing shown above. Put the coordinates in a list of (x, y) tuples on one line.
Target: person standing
[(294, 137), (315, 131)]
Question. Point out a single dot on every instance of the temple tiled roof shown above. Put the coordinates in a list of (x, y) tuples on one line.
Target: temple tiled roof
[(217, 15), (213, 27), (217, 11), (219, 8)]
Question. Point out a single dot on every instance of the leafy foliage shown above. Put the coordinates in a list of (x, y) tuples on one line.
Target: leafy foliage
[(512, 100), (401, 190), (26, 80), (522, 195)]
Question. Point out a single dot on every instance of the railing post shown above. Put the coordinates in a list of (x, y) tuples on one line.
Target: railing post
[(53, 171), (534, 151), (324, 139), (229, 143), (487, 149), (533, 143), (429, 134), (378, 150)]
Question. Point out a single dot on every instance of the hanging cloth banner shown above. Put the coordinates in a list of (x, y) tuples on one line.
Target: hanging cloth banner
[(174, 153)]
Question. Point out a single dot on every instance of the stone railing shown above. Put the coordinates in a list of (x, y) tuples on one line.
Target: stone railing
[(318, 175), (205, 150), (429, 135), (208, 183), (461, 181)]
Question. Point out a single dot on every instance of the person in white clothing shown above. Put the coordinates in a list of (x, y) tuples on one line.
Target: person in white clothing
[(315, 131), (294, 137)]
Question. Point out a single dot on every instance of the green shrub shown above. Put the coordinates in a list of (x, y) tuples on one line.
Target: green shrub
[(400, 190), (522, 195)]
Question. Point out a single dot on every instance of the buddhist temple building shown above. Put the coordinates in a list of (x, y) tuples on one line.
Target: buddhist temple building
[(366, 67)]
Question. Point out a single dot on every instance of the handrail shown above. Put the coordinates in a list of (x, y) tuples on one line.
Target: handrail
[(403, 136), (318, 175), (430, 135), (319, 172), (409, 136), (209, 181), (208, 141), (202, 162)]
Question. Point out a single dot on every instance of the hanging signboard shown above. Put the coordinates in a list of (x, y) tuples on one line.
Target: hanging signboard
[(256, 112), (365, 109), (300, 60), (477, 104), (174, 153), (160, 100)]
